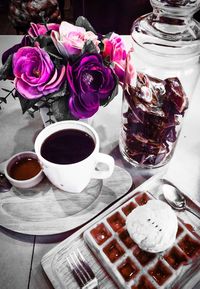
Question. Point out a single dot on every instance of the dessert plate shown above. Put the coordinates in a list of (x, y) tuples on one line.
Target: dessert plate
[(46, 210), (114, 251), (134, 268)]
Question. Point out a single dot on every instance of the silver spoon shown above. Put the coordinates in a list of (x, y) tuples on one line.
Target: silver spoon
[(178, 200), (5, 185)]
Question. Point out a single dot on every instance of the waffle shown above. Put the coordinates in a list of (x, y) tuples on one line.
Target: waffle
[(131, 267)]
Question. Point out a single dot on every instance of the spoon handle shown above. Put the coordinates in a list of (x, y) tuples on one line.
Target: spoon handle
[(191, 206), (194, 211)]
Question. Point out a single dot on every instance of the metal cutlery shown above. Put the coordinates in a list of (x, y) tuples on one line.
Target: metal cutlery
[(81, 271), (178, 200)]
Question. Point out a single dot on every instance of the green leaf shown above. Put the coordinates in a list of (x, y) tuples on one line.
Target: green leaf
[(101, 46), (6, 69), (89, 47), (32, 40), (44, 40), (61, 110), (35, 107), (6, 90), (49, 113), (54, 54), (31, 113), (26, 104), (107, 61), (36, 104), (50, 121), (47, 44), (3, 99), (52, 51), (108, 35), (57, 94), (13, 95), (83, 22)]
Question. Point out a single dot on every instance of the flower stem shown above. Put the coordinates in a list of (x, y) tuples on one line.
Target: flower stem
[(4, 98)]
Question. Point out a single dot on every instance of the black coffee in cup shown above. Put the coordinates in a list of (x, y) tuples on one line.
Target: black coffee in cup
[(67, 146)]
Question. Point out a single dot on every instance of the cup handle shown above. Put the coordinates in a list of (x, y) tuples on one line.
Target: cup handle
[(104, 173)]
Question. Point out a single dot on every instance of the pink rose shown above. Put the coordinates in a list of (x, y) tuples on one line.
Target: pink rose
[(40, 29), (70, 39), (131, 74), (114, 49)]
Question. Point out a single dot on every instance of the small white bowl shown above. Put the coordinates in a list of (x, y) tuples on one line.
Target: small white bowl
[(26, 183)]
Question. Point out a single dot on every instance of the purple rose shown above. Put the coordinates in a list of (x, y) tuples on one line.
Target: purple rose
[(35, 74), (37, 29), (91, 84)]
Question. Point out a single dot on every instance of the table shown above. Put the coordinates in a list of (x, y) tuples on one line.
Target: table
[(20, 254)]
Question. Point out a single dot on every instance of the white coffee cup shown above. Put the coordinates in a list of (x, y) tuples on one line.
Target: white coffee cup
[(76, 176)]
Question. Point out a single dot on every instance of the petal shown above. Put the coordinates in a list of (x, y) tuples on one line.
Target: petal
[(55, 36), (56, 81), (34, 64), (120, 71), (108, 48), (80, 111), (53, 26), (72, 48), (27, 91), (66, 27), (70, 78), (33, 30)]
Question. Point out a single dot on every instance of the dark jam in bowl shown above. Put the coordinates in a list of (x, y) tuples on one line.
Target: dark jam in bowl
[(67, 146), (24, 169)]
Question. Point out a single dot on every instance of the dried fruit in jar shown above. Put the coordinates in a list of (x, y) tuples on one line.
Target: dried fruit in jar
[(152, 119)]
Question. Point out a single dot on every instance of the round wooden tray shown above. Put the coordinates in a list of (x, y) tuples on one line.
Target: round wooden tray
[(45, 210)]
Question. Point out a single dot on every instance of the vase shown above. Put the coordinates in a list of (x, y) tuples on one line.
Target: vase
[(156, 95)]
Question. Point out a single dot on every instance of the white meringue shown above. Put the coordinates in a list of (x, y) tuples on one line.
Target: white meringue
[(153, 226)]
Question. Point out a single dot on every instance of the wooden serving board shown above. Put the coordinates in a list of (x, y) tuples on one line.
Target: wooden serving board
[(45, 210), (54, 262)]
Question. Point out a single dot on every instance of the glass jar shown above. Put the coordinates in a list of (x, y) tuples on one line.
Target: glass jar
[(161, 72)]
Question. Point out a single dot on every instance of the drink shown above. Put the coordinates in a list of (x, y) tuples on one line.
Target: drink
[(25, 168), (67, 146)]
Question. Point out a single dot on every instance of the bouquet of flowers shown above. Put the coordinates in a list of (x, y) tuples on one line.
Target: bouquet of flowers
[(64, 65)]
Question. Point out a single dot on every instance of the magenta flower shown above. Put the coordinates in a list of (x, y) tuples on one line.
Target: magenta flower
[(114, 49), (91, 84), (35, 73), (37, 29)]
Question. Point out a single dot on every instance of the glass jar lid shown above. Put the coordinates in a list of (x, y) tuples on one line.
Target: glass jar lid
[(170, 29)]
